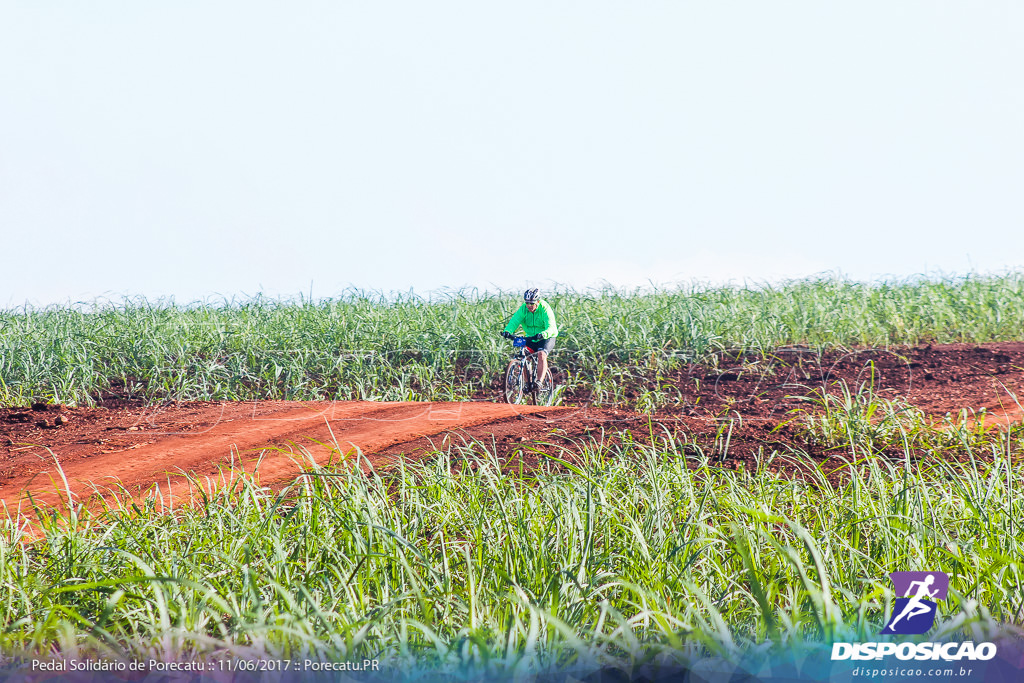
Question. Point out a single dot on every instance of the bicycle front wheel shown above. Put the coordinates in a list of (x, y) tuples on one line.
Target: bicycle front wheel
[(514, 382)]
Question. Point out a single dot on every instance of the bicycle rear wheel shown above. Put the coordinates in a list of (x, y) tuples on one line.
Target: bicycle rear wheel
[(544, 390), (514, 382)]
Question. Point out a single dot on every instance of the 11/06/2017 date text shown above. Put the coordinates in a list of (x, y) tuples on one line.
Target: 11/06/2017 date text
[(300, 665)]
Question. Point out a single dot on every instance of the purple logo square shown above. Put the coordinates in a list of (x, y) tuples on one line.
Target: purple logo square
[(914, 612)]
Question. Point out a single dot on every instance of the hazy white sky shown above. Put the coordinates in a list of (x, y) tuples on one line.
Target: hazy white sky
[(220, 147)]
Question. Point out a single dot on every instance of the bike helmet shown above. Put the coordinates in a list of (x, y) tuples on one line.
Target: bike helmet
[(531, 295)]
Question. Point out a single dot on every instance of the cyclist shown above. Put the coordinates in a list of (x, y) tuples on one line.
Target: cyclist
[(538, 321)]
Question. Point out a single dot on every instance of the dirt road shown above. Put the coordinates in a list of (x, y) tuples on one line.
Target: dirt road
[(760, 401), (136, 450)]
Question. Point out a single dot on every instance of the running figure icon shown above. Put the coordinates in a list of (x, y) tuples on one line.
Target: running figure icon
[(914, 612), (914, 606)]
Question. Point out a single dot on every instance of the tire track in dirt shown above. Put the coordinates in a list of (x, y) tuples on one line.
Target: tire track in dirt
[(272, 438)]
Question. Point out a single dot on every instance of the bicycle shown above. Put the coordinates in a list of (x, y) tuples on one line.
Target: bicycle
[(520, 373)]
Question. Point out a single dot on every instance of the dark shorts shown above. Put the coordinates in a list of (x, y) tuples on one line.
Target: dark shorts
[(544, 346)]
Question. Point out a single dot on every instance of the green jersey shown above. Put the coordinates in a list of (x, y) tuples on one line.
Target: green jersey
[(541, 321)]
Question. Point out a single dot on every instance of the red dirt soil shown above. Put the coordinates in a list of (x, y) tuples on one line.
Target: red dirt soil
[(124, 444), (135, 448)]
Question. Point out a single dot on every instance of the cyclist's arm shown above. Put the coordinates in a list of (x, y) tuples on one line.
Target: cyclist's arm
[(517, 318), (552, 329)]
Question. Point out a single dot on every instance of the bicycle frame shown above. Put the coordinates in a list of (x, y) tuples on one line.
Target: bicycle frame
[(524, 364), (522, 350)]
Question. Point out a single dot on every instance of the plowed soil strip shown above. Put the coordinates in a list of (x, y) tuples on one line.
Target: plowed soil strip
[(761, 400), (270, 435)]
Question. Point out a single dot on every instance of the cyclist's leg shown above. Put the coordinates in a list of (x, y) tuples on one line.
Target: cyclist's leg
[(542, 365), (542, 352)]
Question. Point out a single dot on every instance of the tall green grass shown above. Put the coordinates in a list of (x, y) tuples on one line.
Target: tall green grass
[(367, 346), (614, 554), (858, 421)]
